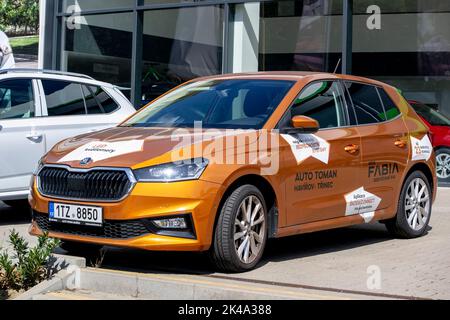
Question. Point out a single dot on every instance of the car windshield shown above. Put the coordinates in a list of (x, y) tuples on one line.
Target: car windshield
[(434, 117), (227, 104)]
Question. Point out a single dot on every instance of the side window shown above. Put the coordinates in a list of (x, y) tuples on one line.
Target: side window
[(16, 99), (98, 101), (63, 98), (391, 109), (322, 101), (366, 102)]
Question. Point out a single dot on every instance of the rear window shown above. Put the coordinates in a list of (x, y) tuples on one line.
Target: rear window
[(366, 103), (389, 106), (98, 101)]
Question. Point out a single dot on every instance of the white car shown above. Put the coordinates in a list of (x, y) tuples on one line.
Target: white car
[(39, 108)]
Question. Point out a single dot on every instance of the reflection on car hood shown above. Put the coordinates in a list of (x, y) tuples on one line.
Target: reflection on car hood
[(128, 147)]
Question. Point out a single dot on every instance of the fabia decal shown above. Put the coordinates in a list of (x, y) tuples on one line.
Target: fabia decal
[(98, 150), (305, 146), (363, 203), (421, 149)]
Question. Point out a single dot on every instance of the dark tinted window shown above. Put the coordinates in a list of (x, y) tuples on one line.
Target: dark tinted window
[(366, 103), (98, 101), (434, 117), (232, 104), (16, 99), (322, 101), (63, 98), (389, 106)]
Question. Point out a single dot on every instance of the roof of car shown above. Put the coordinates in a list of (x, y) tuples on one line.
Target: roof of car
[(293, 76), (49, 74)]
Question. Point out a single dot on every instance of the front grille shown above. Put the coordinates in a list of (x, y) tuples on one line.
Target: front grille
[(94, 185), (112, 229)]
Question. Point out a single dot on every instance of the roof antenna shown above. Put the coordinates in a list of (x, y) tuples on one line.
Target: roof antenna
[(337, 65)]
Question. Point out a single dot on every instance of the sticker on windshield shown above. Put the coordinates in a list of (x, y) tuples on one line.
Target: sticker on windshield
[(99, 150), (421, 149), (363, 203), (305, 146)]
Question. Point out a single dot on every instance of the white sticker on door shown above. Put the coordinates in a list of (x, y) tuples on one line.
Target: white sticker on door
[(421, 149), (99, 150), (305, 146), (363, 203)]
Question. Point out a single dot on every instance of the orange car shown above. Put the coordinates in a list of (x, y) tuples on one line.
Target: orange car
[(223, 163)]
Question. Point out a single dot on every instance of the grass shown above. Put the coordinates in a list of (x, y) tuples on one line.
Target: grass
[(25, 45)]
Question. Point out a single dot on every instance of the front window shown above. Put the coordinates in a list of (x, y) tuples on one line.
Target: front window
[(224, 104), (435, 118)]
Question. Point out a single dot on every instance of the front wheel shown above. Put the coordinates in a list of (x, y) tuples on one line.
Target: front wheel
[(414, 208), (241, 231)]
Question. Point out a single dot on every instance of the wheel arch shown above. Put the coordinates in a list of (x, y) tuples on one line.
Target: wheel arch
[(266, 189), (425, 169)]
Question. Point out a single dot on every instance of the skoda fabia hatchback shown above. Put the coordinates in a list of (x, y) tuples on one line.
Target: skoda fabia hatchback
[(222, 164)]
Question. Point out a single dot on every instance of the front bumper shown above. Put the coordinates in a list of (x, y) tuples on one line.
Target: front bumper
[(126, 223)]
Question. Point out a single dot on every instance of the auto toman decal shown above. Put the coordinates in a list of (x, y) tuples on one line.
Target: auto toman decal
[(305, 146), (421, 149), (363, 203), (99, 150)]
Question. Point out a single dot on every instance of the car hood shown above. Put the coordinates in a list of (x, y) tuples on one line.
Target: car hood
[(135, 147)]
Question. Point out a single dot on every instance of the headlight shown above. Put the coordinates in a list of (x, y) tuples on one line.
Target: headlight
[(170, 172)]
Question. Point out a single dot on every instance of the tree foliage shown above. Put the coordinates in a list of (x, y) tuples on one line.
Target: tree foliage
[(19, 16)]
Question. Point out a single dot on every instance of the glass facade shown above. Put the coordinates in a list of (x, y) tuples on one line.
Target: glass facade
[(153, 45)]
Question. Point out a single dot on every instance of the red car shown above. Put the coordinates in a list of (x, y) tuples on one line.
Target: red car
[(439, 125)]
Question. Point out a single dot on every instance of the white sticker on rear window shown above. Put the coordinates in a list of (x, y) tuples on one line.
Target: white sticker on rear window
[(305, 146), (99, 150), (363, 203), (421, 149)]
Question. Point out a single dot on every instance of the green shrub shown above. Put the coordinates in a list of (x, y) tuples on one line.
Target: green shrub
[(26, 267)]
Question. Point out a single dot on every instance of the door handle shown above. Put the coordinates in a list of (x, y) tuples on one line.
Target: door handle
[(352, 148), (35, 137), (400, 143)]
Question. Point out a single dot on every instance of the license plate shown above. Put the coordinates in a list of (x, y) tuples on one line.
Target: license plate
[(75, 214)]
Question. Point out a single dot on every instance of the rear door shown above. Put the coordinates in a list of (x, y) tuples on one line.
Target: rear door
[(73, 108), (21, 138), (319, 169), (384, 139)]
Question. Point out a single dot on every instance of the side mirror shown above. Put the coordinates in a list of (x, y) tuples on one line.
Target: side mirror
[(303, 124)]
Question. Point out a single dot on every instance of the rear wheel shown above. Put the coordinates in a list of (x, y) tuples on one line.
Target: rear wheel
[(241, 231), (414, 208), (443, 163)]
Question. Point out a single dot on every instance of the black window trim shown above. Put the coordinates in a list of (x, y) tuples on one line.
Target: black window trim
[(35, 95), (81, 84)]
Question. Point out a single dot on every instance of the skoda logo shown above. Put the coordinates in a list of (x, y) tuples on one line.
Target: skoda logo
[(85, 161)]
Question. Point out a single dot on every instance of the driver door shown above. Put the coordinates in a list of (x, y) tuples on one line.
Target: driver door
[(321, 168)]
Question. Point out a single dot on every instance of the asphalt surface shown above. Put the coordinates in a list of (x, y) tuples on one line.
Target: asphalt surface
[(362, 259)]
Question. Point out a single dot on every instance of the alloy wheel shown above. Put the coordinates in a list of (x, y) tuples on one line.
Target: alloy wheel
[(417, 204), (443, 165), (249, 229)]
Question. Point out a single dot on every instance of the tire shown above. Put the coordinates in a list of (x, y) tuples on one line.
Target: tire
[(244, 253), (443, 163), (408, 223), (17, 204), (80, 248)]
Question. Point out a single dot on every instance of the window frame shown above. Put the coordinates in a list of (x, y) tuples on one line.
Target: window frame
[(345, 108), (37, 107)]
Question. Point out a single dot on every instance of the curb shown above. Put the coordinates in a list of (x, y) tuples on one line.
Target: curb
[(59, 280)]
